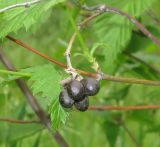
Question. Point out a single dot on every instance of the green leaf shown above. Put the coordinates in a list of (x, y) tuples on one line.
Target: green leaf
[(96, 46), (6, 81), (17, 131), (58, 114), (13, 132), (14, 19), (111, 131), (153, 129), (119, 94), (37, 141), (143, 117), (138, 43), (46, 81), (11, 76), (115, 30)]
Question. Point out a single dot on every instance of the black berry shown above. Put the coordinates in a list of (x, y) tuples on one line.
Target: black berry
[(65, 100), (91, 86), (82, 105), (75, 90)]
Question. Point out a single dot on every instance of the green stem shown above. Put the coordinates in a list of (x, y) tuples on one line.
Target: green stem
[(21, 74), (81, 40)]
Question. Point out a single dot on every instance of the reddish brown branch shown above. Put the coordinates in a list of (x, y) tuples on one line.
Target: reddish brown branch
[(36, 51), (124, 108), (95, 75), (19, 121)]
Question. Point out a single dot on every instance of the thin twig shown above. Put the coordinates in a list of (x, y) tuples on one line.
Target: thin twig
[(19, 121), (43, 116), (94, 75), (68, 50), (25, 4), (88, 19), (70, 69), (123, 108), (104, 8)]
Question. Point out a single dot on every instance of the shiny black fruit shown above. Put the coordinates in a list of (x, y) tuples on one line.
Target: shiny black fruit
[(65, 99), (91, 86), (75, 90), (82, 105)]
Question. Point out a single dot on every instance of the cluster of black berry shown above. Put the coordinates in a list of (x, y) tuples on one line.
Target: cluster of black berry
[(76, 93)]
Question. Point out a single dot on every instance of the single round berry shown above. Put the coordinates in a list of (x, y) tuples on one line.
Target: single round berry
[(91, 86), (65, 100), (75, 90), (82, 105)]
